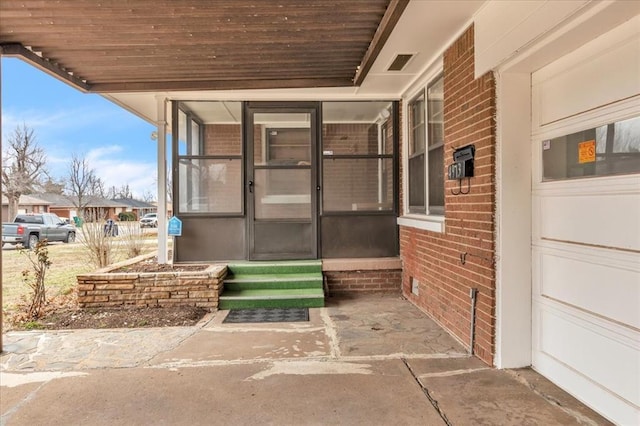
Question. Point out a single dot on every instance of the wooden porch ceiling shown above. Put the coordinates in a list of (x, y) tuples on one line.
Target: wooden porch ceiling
[(160, 45)]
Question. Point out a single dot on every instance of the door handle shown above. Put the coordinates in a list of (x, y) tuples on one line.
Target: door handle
[(251, 186)]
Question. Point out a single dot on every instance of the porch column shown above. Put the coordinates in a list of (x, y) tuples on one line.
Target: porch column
[(162, 180), (1, 197), (513, 221)]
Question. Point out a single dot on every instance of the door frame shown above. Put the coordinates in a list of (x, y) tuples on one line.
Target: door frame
[(314, 110)]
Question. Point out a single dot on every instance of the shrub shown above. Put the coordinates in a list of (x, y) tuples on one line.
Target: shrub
[(99, 243), (133, 239), (126, 216), (40, 262)]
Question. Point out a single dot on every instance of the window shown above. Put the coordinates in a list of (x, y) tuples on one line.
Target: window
[(357, 157), (601, 151), (209, 175), (426, 151), (416, 156)]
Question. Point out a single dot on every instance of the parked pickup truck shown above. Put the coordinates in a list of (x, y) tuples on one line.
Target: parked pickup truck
[(28, 229)]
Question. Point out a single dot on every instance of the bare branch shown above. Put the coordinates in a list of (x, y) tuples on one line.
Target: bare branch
[(82, 183), (23, 166)]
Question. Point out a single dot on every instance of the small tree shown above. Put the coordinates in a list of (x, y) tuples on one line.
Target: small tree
[(53, 186), (40, 262), (23, 166), (123, 192), (148, 196), (82, 183)]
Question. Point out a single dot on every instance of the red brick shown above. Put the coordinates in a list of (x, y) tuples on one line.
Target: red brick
[(434, 258)]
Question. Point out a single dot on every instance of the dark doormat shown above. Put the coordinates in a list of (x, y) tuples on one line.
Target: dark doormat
[(267, 315)]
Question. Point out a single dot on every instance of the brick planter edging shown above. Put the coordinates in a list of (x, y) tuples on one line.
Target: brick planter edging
[(104, 288)]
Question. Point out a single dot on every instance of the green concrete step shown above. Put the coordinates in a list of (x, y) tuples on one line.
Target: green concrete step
[(280, 284), (272, 298), (273, 281), (279, 267)]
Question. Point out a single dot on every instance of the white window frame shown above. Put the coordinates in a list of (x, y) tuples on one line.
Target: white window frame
[(430, 221)]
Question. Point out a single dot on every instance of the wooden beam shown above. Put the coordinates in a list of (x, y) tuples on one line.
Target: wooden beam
[(160, 86), (388, 23), (18, 50)]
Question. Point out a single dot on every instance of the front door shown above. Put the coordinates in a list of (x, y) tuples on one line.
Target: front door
[(282, 186)]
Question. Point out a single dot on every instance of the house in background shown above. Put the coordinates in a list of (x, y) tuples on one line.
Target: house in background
[(65, 206), (26, 204), (137, 207), (480, 156), (60, 204)]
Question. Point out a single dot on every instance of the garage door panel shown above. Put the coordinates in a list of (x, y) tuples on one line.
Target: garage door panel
[(593, 351), (605, 220), (599, 398), (593, 285), (620, 62), (585, 226)]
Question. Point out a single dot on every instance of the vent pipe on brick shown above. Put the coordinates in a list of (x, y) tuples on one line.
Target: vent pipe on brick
[(473, 294)]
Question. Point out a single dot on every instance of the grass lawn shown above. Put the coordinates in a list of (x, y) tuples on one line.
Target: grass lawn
[(67, 261)]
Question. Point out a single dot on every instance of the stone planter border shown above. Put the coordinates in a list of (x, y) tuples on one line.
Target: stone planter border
[(104, 288)]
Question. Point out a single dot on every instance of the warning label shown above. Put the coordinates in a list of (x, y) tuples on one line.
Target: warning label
[(587, 152)]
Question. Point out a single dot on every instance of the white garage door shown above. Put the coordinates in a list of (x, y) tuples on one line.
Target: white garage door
[(586, 223)]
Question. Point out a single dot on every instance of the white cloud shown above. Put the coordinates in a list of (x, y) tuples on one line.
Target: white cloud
[(116, 170), (110, 162)]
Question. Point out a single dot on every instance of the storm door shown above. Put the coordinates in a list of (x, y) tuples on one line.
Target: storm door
[(281, 184)]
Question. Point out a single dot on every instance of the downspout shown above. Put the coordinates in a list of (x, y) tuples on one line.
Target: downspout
[(162, 180)]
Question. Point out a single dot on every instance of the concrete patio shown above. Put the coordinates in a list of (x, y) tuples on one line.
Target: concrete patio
[(361, 360)]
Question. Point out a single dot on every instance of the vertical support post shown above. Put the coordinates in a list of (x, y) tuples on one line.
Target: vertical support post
[(162, 180), (380, 160), (1, 319)]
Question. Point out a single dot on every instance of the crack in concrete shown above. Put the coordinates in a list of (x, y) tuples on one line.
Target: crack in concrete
[(4, 419), (452, 372), (431, 399), (324, 358), (580, 418), (178, 342), (331, 332)]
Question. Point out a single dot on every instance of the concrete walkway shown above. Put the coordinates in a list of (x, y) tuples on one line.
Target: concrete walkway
[(370, 360)]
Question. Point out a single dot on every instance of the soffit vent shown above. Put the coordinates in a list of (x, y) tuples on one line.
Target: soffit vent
[(400, 61)]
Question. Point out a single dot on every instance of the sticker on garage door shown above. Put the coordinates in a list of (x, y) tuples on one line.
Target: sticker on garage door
[(587, 152)]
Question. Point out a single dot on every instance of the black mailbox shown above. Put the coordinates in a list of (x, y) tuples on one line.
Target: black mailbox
[(462, 166)]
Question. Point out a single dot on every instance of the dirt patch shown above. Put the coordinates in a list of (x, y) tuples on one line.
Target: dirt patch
[(62, 312), (120, 318), (65, 315)]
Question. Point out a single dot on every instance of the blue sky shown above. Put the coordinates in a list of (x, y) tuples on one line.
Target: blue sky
[(116, 143)]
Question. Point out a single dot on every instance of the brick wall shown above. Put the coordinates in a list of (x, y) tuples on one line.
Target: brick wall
[(223, 139), (388, 280), (434, 259), (351, 184)]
